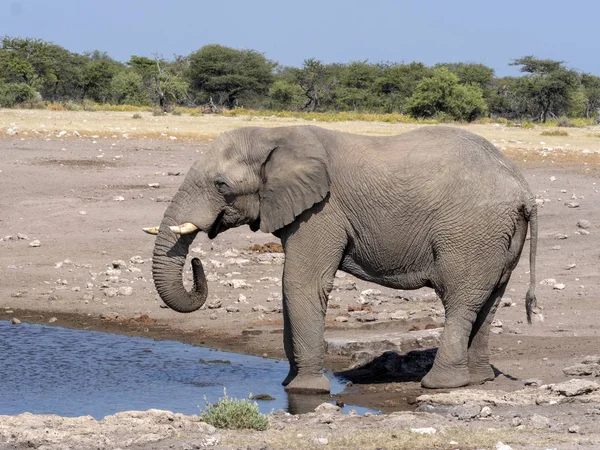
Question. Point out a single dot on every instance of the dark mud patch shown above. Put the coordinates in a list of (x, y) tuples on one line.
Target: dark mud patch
[(77, 163)]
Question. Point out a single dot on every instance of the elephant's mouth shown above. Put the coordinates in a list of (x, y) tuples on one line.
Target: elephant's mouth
[(217, 226)]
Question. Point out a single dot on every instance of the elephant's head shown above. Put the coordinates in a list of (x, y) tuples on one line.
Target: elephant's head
[(257, 176)]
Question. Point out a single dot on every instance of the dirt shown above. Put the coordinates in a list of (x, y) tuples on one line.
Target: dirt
[(86, 199)]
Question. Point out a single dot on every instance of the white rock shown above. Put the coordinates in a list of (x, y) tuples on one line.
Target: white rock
[(238, 284), (552, 178), (125, 290), (35, 243), (118, 198), (501, 446), (370, 292), (558, 286), (548, 281), (111, 292), (486, 411), (428, 430), (232, 309), (341, 319), (61, 134)]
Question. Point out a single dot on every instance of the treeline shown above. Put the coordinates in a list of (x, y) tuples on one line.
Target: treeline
[(34, 73)]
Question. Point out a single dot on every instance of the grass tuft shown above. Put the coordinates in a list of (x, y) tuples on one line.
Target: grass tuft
[(554, 133), (234, 414)]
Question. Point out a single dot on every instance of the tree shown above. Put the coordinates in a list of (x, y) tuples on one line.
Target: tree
[(547, 87), (354, 91), (591, 89), (316, 81), (127, 87), (230, 76), (443, 94), (396, 83)]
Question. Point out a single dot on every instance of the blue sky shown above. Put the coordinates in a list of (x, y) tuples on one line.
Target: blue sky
[(430, 31)]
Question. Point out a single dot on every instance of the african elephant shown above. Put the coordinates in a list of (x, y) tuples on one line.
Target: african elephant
[(437, 207)]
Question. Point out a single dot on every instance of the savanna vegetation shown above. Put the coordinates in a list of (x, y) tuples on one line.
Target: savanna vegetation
[(39, 74)]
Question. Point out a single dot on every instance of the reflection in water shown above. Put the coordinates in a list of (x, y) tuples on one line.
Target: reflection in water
[(52, 370)]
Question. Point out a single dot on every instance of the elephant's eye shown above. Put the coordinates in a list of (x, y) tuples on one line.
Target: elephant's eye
[(224, 188)]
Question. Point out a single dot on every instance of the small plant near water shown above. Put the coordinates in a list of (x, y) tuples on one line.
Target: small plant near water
[(234, 414), (554, 133)]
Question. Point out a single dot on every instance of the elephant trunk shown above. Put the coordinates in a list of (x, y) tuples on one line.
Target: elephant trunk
[(170, 252)]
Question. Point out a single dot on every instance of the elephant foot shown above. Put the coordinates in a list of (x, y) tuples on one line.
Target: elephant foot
[(481, 374), (309, 384), (446, 378), (290, 376)]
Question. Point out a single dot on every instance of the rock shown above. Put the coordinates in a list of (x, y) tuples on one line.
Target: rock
[(136, 260), (575, 387), (341, 319), (581, 370), (377, 343), (516, 422), (533, 382), (584, 224), (259, 308), (35, 243), (539, 422), (327, 407), (558, 286), (174, 174), (500, 445), (465, 412), (125, 290), (548, 282), (399, 315), (343, 284), (238, 284), (570, 266), (321, 441), (242, 299), (574, 429), (119, 264), (22, 237), (119, 198), (583, 232), (232, 309), (572, 205), (52, 320), (370, 292), (111, 292), (552, 178), (560, 236), (154, 185), (367, 318), (61, 134), (82, 213), (214, 304), (12, 132), (496, 323), (163, 199), (428, 430), (486, 411), (591, 359), (15, 321)]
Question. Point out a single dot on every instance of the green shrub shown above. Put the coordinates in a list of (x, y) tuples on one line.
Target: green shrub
[(565, 122), (137, 116), (234, 414), (528, 125), (13, 93), (554, 133), (177, 112), (158, 113)]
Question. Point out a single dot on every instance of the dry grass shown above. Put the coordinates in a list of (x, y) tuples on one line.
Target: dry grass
[(122, 124), (554, 133)]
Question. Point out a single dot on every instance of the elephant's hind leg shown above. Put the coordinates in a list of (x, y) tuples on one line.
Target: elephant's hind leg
[(450, 367), (480, 369)]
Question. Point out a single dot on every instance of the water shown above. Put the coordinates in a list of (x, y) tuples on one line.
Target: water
[(53, 370)]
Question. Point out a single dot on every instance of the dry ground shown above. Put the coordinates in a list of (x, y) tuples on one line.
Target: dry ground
[(85, 197)]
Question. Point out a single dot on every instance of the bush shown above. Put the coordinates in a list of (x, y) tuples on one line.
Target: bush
[(158, 113), (234, 414), (13, 93), (137, 116), (528, 125), (554, 133), (442, 95), (565, 122)]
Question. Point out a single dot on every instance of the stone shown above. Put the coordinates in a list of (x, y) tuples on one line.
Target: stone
[(232, 309), (344, 284), (465, 412), (558, 286), (154, 185), (259, 308), (327, 407), (125, 290), (136, 260), (501, 446), (399, 315), (574, 429), (533, 382), (119, 198), (427, 430), (15, 321), (370, 292), (584, 224), (119, 264), (22, 237), (35, 243), (377, 343), (238, 284), (214, 304), (548, 282), (538, 421), (572, 205), (111, 292), (321, 441), (52, 320), (163, 199), (486, 411), (341, 319), (575, 387), (367, 318), (582, 232)]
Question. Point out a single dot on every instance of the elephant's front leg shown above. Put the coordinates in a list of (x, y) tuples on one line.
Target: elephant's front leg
[(312, 258)]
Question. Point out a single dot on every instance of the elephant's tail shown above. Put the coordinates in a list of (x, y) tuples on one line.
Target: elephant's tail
[(530, 300)]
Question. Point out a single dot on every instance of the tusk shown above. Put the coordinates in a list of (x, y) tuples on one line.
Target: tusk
[(185, 228), (151, 230)]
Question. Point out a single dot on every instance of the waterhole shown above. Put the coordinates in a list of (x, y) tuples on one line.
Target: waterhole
[(53, 370)]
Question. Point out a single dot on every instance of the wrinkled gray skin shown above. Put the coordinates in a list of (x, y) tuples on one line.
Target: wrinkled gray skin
[(437, 207)]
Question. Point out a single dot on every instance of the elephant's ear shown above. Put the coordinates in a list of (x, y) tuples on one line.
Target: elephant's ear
[(294, 178)]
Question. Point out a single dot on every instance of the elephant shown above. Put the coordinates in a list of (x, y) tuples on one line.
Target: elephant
[(436, 207)]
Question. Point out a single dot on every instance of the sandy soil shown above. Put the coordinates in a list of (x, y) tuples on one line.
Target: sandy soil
[(85, 198)]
